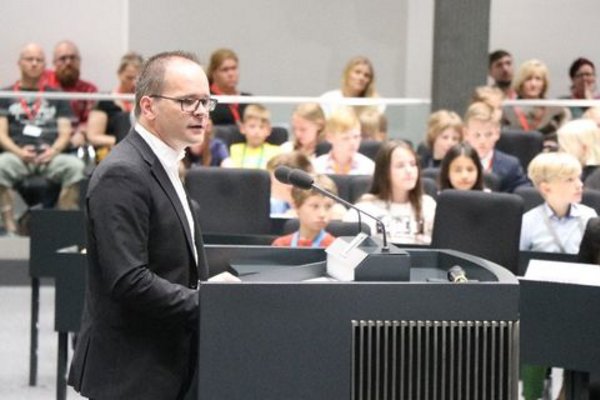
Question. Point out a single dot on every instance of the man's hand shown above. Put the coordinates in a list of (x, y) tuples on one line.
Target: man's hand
[(45, 155), (27, 153)]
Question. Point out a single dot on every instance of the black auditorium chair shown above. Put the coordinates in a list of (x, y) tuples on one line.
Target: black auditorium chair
[(323, 148), (369, 148), (521, 144), (531, 197), (593, 180), (231, 200), (591, 198), (335, 228), (432, 173), (359, 185), (230, 134), (492, 181), (343, 184), (36, 190), (430, 186), (484, 224)]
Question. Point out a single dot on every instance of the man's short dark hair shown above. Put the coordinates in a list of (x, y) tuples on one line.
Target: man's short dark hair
[(152, 77), (496, 55)]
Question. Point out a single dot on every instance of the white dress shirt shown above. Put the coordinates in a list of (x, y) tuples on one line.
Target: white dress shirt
[(169, 158)]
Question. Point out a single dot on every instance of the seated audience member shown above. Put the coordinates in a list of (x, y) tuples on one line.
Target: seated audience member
[(593, 113), (444, 130), (358, 80), (589, 249), (343, 132), (556, 226), (373, 125), (212, 152), (583, 84), (255, 152), (223, 76), (490, 95), (65, 77), (532, 83), (581, 139), (281, 193), (501, 72), (396, 196), (33, 134), (461, 169), (308, 129), (482, 131), (314, 213), (104, 130)]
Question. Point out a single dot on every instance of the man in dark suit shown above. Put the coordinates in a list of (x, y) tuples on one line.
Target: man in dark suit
[(138, 336)]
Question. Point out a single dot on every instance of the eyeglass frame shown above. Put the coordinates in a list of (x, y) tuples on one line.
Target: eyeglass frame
[(209, 103)]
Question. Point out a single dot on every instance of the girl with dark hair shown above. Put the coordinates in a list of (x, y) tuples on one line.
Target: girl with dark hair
[(396, 196), (461, 169)]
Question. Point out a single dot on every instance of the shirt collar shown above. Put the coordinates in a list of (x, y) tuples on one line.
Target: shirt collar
[(168, 156), (574, 211)]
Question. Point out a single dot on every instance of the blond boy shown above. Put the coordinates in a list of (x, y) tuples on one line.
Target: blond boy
[(342, 130), (255, 152), (314, 212), (556, 226), (482, 131)]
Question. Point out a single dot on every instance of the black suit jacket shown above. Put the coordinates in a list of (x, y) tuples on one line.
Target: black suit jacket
[(510, 171), (139, 325)]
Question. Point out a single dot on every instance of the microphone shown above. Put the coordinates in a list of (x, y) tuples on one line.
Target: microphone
[(282, 174), (457, 274), (304, 180)]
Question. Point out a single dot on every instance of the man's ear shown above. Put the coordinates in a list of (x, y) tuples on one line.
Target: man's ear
[(147, 108)]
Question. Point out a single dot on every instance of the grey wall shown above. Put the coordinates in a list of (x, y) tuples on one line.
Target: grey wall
[(297, 48)]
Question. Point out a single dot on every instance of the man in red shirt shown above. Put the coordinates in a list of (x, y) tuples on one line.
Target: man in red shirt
[(65, 77)]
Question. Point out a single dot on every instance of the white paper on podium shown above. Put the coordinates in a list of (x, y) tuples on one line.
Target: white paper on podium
[(563, 272)]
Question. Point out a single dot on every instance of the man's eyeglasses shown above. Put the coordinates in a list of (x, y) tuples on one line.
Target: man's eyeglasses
[(191, 105)]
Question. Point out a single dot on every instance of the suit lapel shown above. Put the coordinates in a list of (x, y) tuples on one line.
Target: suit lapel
[(159, 173)]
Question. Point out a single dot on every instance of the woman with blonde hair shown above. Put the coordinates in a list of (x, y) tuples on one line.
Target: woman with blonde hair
[(444, 130), (223, 77), (358, 80), (581, 138), (531, 83)]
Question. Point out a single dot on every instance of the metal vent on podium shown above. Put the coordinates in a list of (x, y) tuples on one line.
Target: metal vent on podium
[(437, 360)]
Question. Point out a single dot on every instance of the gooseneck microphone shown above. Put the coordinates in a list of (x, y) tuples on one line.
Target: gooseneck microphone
[(457, 274), (304, 180)]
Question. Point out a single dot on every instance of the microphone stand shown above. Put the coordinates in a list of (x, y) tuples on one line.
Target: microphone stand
[(324, 192)]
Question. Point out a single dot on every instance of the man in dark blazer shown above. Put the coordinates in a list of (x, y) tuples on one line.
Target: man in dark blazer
[(138, 336)]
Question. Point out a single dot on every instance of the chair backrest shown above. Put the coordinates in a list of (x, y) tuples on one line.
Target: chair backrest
[(230, 134), (231, 200), (593, 180), (336, 228), (521, 144), (49, 231), (344, 185), (359, 185), (430, 186), (121, 125), (492, 181), (591, 198), (484, 224), (370, 148), (531, 197)]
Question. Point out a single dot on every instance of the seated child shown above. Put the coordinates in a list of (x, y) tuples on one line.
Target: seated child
[(256, 127), (314, 213), (482, 131), (461, 169), (556, 226), (343, 132), (281, 193), (308, 129)]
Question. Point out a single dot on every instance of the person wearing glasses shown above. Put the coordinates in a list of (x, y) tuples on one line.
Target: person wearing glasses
[(583, 84), (482, 131), (66, 77), (139, 331)]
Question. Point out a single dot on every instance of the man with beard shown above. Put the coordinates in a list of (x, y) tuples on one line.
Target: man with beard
[(65, 77), (33, 134), (500, 69)]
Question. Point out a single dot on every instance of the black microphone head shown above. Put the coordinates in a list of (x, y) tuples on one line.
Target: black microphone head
[(282, 174), (301, 179)]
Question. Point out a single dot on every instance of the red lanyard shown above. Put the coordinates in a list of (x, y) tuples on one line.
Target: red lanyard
[(36, 106), (234, 108), (523, 120)]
